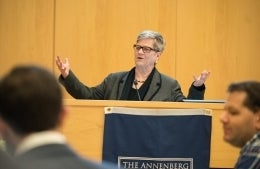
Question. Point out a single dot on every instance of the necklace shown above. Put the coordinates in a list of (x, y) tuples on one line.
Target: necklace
[(139, 81)]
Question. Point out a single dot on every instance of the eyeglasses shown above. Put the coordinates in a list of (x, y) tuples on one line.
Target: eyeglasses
[(145, 49)]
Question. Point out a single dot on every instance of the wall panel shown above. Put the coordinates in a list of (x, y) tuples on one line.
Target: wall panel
[(221, 36), (26, 31), (97, 36)]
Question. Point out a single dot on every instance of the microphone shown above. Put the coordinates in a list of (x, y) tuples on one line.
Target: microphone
[(135, 84)]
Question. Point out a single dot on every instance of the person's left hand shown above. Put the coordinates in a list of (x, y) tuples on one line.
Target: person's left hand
[(200, 80)]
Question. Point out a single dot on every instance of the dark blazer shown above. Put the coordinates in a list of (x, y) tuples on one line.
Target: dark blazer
[(56, 156), (6, 162), (162, 88)]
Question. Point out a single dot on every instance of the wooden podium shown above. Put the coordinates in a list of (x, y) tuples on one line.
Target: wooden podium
[(84, 125)]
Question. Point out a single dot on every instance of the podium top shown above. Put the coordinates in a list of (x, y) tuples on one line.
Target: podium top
[(204, 101)]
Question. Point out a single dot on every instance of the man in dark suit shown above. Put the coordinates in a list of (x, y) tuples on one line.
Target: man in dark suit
[(6, 161), (31, 113)]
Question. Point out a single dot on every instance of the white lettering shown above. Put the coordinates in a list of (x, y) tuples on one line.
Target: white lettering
[(130, 164), (153, 165)]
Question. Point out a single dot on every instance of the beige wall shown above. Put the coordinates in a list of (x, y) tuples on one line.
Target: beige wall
[(221, 36), (26, 33), (218, 35)]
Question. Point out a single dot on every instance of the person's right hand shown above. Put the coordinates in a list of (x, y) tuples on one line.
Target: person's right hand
[(64, 67)]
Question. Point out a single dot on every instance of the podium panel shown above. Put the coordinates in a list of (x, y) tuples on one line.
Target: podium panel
[(157, 138), (84, 127)]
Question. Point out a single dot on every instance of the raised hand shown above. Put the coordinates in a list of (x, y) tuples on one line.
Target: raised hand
[(64, 67), (201, 79)]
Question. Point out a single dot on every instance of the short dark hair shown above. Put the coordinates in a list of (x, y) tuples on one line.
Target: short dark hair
[(30, 99), (252, 90)]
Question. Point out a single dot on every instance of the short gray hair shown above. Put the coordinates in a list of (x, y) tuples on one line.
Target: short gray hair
[(149, 34)]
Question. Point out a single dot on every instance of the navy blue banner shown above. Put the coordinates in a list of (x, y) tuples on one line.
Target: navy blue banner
[(157, 139)]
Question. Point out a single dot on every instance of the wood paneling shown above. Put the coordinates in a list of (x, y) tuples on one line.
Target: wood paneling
[(221, 36), (26, 31), (98, 36)]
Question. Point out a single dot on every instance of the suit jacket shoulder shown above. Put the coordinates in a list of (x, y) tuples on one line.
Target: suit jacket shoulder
[(55, 156)]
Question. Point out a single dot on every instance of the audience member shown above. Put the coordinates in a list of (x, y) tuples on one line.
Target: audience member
[(6, 162), (31, 114), (241, 122)]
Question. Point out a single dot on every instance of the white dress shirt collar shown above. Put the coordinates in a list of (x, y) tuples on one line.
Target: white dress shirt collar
[(39, 139)]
